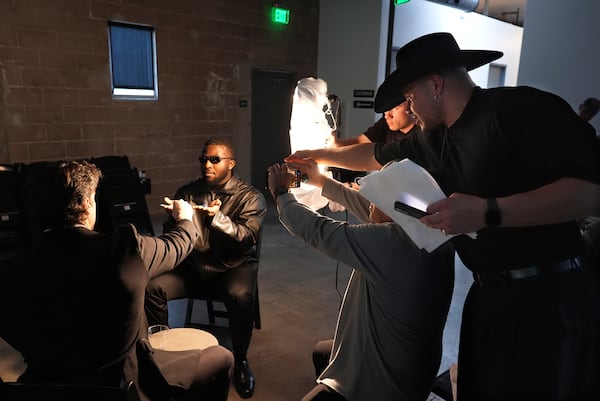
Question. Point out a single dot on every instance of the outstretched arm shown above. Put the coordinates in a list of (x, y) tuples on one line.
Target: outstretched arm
[(359, 157), (340, 142), (342, 241), (166, 251)]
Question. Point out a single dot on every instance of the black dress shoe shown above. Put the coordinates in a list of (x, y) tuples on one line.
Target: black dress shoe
[(243, 379)]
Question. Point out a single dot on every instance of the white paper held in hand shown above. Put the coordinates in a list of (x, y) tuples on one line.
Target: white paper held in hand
[(409, 183)]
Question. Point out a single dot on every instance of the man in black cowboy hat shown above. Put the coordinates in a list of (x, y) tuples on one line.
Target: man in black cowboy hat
[(529, 326)]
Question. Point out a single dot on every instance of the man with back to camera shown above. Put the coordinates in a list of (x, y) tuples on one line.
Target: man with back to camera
[(388, 338), (513, 179), (79, 318), (228, 216)]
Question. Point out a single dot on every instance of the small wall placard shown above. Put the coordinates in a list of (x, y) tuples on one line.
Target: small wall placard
[(363, 104), (364, 93)]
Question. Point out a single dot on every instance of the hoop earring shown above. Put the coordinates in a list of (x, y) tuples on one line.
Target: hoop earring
[(437, 97)]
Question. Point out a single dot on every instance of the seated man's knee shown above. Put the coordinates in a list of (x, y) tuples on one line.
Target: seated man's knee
[(155, 290), (240, 288), (320, 356), (240, 293), (218, 358), (167, 286), (153, 287)]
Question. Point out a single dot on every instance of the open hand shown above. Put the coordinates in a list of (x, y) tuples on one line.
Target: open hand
[(209, 210)]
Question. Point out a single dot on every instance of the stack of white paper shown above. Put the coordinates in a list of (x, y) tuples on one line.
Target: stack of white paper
[(406, 180)]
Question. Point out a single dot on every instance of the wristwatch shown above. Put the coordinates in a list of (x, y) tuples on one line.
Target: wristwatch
[(493, 216), (279, 191)]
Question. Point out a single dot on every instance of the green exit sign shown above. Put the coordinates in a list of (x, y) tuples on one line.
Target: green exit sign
[(280, 15), (396, 2)]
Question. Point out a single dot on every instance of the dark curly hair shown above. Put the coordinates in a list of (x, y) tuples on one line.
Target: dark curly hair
[(65, 186)]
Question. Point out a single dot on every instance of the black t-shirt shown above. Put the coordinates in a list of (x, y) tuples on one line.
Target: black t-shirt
[(507, 141), (381, 133)]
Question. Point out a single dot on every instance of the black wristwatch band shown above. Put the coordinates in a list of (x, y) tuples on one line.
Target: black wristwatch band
[(279, 191), (493, 216)]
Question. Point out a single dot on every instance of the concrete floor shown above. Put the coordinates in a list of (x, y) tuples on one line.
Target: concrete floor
[(300, 293)]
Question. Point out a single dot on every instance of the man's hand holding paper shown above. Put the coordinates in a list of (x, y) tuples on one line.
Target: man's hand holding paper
[(456, 214)]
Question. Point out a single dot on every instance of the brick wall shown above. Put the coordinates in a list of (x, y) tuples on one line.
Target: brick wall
[(56, 92)]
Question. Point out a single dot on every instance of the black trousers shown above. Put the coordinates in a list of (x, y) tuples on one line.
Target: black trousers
[(321, 355), (532, 339), (235, 287)]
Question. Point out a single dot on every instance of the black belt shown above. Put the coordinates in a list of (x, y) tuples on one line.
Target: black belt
[(506, 276)]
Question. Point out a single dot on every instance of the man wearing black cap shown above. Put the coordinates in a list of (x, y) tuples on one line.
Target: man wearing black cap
[(529, 325), (397, 123)]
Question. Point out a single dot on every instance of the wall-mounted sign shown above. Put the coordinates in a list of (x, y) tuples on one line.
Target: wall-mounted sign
[(363, 104), (280, 15), (364, 93)]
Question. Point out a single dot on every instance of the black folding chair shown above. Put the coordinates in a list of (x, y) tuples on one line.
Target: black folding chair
[(14, 236), (121, 196)]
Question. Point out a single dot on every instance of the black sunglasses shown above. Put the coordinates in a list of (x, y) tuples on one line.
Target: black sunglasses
[(213, 159)]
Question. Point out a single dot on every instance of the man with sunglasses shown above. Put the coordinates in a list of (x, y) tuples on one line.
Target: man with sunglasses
[(223, 264)]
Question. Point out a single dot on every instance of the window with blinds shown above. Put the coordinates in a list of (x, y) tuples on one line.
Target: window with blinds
[(133, 61)]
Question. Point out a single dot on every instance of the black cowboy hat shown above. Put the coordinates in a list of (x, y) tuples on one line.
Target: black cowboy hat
[(427, 54)]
